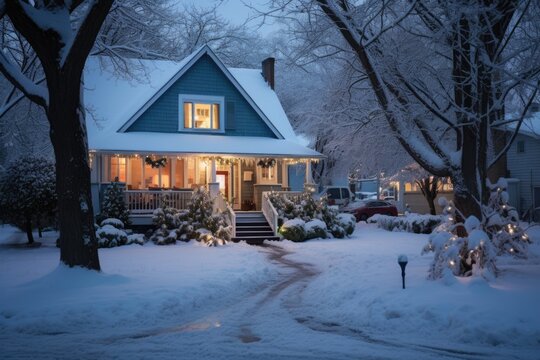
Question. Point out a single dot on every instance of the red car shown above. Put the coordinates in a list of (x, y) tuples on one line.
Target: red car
[(371, 207)]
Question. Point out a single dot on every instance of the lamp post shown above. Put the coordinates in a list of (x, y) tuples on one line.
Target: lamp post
[(402, 261)]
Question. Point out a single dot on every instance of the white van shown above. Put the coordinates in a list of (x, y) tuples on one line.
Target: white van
[(337, 195)]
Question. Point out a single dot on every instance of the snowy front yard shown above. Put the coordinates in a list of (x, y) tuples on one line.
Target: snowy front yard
[(323, 299)]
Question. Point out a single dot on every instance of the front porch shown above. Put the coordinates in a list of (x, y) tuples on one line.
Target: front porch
[(241, 181)]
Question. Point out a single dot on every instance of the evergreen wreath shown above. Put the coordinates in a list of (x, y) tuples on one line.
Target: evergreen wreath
[(267, 163), (222, 161), (162, 162)]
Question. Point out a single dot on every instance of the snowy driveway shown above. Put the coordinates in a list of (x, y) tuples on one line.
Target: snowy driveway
[(327, 299)]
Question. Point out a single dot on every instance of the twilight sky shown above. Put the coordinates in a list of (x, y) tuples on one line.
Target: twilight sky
[(238, 11)]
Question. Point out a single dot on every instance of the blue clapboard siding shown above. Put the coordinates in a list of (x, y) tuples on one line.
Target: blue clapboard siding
[(203, 78)]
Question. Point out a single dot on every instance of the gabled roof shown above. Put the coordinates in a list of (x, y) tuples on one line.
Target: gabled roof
[(183, 67), (114, 101)]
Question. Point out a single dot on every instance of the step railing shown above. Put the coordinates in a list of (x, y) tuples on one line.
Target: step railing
[(270, 212)]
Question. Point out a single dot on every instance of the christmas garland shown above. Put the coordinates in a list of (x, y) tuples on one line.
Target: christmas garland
[(162, 162), (222, 161), (267, 163)]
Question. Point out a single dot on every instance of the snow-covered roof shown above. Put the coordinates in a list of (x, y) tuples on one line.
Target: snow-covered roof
[(530, 125), (114, 101)]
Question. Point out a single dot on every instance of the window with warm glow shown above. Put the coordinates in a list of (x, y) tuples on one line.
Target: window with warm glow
[(267, 175), (118, 168), (201, 112)]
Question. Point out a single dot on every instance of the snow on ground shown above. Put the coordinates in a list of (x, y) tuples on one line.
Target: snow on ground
[(326, 299), (141, 287), (360, 287)]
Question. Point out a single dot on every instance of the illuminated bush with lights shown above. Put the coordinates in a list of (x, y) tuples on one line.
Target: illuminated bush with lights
[(498, 233)]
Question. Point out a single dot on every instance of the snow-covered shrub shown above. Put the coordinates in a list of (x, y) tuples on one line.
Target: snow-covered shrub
[(347, 222), (165, 218), (138, 239), (114, 204), (315, 229), (195, 222), (502, 223), (475, 253), (294, 230), (415, 223), (28, 193), (210, 240), (306, 208), (117, 223), (108, 236)]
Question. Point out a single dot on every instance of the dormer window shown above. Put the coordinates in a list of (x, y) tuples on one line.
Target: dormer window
[(201, 113)]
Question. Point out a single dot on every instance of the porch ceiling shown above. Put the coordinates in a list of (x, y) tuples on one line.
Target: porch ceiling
[(182, 143)]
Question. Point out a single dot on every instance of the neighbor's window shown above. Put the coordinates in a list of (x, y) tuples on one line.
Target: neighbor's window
[(202, 113), (521, 146)]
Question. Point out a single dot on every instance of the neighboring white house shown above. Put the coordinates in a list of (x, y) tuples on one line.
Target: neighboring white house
[(523, 164), (180, 125)]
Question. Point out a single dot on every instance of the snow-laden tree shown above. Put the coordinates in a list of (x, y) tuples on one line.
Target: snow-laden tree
[(315, 95), (441, 74), (28, 193), (57, 37)]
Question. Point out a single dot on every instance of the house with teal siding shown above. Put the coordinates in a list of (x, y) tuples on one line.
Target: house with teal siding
[(169, 127)]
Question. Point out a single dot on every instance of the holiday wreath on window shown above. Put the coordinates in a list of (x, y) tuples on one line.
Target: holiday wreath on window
[(158, 163)]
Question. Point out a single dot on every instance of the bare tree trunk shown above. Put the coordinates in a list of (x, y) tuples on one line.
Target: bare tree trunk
[(28, 226), (78, 244), (429, 188)]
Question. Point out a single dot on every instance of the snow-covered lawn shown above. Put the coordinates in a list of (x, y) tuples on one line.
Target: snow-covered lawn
[(193, 302), (360, 287)]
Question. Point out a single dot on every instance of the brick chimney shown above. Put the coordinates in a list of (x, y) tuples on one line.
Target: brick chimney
[(268, 71)]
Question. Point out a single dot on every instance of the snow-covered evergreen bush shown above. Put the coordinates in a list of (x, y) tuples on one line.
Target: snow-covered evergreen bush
[(294, 230), (117, 223), (306, 208), (415, 223), (114, 204), (28, 193), (315, 229), (347, 222), (109, 236), (475, 252), (195, 222)]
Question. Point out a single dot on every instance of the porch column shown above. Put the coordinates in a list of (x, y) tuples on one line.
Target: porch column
[(213, 171), (213, 185), (310, 184)]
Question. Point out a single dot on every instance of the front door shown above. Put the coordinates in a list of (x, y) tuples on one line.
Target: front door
[(222, 177)]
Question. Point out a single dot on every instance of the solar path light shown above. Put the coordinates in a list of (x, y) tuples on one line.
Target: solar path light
[(402, 261)]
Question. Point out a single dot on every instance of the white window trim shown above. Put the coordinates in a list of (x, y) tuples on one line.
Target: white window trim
[(262, 181), (201, 99)]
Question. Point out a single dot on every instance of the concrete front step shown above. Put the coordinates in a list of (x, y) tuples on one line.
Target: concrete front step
[(251, 223), (255, 240), (254, 233), (253, 228)]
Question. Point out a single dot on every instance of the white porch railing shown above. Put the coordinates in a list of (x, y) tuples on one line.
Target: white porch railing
[(270, 212), (221, 205), (146, 201)]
